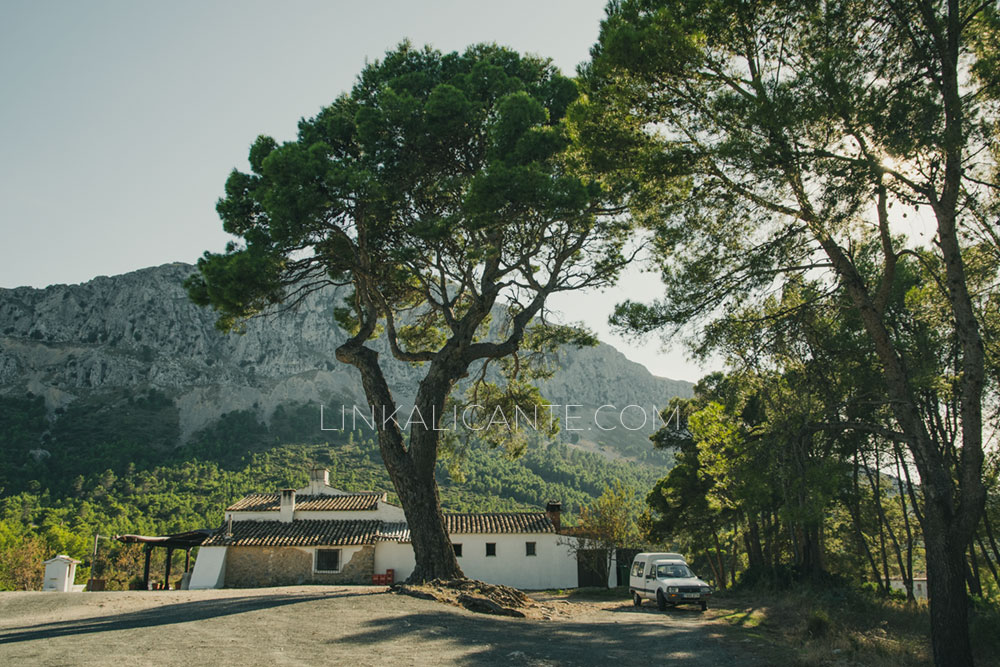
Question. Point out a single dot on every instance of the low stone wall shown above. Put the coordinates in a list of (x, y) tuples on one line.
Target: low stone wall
[(255, 567)]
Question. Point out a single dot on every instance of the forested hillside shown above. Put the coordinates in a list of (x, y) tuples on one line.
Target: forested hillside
[(100, 475)]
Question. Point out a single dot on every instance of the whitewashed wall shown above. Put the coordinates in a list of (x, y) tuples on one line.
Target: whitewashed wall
[(396, 556), (553, 566), (209, 568)]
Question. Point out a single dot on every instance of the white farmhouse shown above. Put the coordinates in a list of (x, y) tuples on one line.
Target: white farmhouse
[(919, 587), (319, 534)]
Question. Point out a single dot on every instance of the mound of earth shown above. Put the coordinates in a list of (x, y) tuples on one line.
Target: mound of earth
[(477, 596)]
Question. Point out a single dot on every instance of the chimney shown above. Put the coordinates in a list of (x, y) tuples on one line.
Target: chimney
[(287, 511), (319, 479), (553, 510)]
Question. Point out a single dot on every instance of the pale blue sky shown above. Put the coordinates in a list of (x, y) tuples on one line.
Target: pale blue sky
[(119, 121)]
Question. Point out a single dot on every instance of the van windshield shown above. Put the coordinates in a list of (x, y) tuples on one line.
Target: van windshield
[(673, 571)]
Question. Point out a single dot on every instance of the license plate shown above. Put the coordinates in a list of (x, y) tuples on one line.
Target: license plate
[(691, 595)]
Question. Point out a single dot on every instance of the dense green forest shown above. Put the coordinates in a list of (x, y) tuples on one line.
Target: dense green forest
[(99, 475), (829, 179)]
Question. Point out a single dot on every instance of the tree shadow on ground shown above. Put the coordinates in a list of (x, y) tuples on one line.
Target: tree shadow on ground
[(693, 613), (180, 612), (558, 642)]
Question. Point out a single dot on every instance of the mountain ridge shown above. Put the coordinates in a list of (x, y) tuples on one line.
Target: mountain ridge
[(138, 331)]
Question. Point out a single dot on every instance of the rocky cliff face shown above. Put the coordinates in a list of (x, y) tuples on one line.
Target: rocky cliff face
[(139, 331)]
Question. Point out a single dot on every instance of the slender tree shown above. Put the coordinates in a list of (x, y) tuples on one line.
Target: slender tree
[(444, 193)]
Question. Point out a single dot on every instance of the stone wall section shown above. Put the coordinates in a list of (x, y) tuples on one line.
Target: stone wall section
[(255, 567)]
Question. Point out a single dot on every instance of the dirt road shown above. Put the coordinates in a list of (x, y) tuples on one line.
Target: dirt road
[(353, 626)]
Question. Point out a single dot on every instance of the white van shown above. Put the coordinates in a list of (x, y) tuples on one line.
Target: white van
[(666, 578)]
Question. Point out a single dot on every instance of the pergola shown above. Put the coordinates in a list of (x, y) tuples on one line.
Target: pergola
[(185, 541)]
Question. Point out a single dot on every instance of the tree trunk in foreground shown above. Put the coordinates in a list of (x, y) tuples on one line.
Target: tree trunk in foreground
[(410, 469), (432, 549), (951, 512), (948, 597)]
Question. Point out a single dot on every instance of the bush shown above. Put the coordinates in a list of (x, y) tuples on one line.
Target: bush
[(790, 577), (984, 620), (818, 624)]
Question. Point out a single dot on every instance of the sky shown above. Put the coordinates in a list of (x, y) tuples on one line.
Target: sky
[(119, 121)]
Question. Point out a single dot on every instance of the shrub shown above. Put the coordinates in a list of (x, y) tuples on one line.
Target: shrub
[(818, 624)]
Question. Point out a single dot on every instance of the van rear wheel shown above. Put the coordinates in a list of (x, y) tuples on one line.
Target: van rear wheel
[(636, 600), (661, 602)]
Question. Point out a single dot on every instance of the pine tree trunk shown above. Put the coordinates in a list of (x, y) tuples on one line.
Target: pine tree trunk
[(755, 555), (732, 559), (884, 520), (989, 535), (987, 560), (432, 549), (720, 583), (908, 569), (771, 536), (854, 507), (975, 581), (948, 526), (411, 469), (812, 550), (720, 560), (949, 600)]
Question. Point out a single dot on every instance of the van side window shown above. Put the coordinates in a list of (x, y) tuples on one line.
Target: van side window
[(637, 568)]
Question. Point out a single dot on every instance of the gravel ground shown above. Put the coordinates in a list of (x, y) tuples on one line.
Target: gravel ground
[(313, 625)]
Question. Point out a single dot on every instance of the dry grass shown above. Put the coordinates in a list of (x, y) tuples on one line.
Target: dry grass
[(831, 627)]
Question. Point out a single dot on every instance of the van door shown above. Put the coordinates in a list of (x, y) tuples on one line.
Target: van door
[(649, 580), (635, 576)]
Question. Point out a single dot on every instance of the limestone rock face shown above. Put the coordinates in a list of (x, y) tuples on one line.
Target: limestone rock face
[(602, 374), (138, 331)]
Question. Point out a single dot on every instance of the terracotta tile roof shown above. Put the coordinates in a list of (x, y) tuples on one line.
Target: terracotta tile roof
[(299, 533), (271, 502), (464, 524), (334, 532), (497, 522), (396, 531)]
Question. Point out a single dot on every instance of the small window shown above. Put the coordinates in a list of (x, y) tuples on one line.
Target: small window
[(637, 568), (529, 548), (491, 548), (328, 560), (458, 550)]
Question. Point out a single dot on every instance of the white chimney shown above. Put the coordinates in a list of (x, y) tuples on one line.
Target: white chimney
[(319, 480), (287, 511)]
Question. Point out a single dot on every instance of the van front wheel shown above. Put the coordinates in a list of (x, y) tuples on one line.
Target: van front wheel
[(661, 602)]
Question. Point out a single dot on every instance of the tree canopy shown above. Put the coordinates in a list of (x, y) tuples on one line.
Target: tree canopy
[(804, 133), (445, 192)]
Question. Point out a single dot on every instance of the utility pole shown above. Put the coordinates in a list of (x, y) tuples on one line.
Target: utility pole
[(93, 559)]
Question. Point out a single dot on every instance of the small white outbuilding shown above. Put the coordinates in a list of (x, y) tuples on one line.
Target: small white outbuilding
[(59, 574)]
